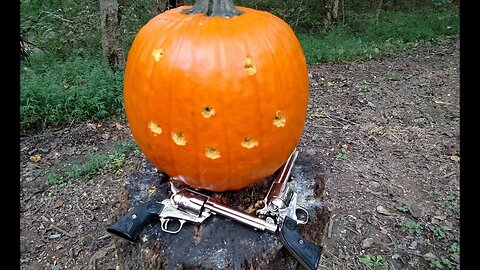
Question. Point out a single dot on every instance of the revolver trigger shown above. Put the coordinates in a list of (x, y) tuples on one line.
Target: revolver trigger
[(301, 215), (164, 223)]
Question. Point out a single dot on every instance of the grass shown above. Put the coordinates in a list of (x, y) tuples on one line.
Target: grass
[(112, 160), (396, 31), (54, 92)]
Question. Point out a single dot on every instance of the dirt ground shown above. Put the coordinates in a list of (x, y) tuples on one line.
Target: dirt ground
[(386, 129)]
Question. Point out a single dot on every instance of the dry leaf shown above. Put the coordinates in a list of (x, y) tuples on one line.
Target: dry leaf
[(91, 126), (118, 126), (384, 211), (106, 136), (441, 217), (367, 242), (35, 158), (455, 158), (383, 230), (152, 190)]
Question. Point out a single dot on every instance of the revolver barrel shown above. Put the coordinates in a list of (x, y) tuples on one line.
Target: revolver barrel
[(191, 201), (280, 194)]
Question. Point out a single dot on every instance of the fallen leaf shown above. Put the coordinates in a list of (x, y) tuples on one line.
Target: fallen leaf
[(118, 126), (384, 211), (383, 230), (367, 242), (430, 255), (328, 84), (91, 126), (455, 158), (106, 136), (58, 247), (152, 190), (395, 256), (58, 204), (442, 217), (36, 158)]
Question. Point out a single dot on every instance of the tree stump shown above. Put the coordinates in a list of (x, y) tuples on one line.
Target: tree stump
[(219, 243)]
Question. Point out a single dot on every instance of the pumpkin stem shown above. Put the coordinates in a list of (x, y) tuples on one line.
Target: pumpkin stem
[(222, 8)]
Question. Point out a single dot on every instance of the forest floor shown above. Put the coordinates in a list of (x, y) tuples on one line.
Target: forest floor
[(387, 131)]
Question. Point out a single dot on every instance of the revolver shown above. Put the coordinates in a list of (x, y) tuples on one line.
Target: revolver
[(280, 214)]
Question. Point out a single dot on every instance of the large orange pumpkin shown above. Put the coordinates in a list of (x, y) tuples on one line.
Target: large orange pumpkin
[(218, 100)]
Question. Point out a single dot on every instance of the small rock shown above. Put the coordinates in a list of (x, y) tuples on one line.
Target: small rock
[(367, 242), (54, 236), (413, 245), (384, 211)]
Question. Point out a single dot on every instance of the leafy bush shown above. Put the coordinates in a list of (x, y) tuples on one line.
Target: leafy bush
[(54, 92)]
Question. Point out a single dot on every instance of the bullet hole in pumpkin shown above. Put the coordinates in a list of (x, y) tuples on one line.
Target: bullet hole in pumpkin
[(157, 54), (279, 120), (208, 112), (249, 143), (212, 152), (179, 138), (155, 128), (250, 66)]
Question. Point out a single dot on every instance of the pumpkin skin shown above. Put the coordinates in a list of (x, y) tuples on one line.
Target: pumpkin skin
[(218, 103)]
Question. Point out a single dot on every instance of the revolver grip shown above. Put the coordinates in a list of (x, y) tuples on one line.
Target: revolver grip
[(132, 223), (307, 253)]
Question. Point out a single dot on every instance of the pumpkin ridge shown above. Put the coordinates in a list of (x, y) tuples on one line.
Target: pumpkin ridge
[(221, 47), (287, 44), (257, 98)]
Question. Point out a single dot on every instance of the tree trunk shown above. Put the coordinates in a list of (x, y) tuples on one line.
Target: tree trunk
[(379, 9), (111, 39), (219, 243), (331, 14)]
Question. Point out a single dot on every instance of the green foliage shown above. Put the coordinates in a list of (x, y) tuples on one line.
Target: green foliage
[(403, 208), (114, 158), (412, 227), (372, 260), (450, 204), (395, 31), (444, 263), (437, 232), (455, 248), (63, 28), (342, 155), (54, 92)]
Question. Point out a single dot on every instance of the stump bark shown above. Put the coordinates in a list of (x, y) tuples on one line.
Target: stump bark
[(219, 243)]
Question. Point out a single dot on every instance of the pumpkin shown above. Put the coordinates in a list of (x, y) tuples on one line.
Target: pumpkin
[(216, 97)]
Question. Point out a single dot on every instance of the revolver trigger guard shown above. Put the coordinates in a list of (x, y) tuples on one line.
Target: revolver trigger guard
[(305, 214), (164, 224)]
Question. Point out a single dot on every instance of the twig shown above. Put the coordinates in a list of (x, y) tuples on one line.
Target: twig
[(104, 237), (55, 227), (335, 119), (54, 15), (352, 230), (317, 126), (447, 175), (85, 215), (330, 226)]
